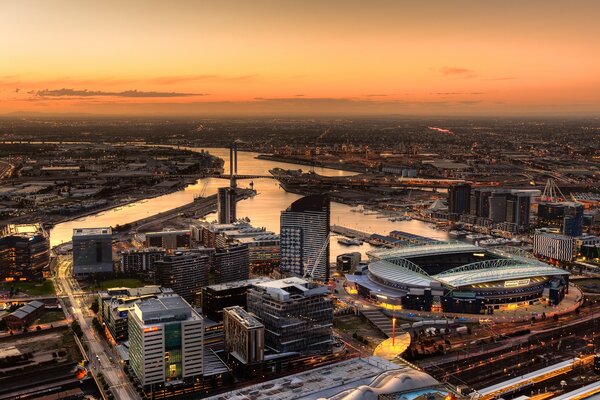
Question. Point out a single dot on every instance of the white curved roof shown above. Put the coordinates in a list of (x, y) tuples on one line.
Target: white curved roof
[(396, 273), (515, 271), (423, 250), (404, 380)]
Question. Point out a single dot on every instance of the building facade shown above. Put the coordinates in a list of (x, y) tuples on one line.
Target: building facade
[(297, 315), (244, 336), (215, 298), (305, 237), (459, 199), (226, 205), (232, 263), (165, 342), (135, 261), (184, 272), (92, 251), (24, 252), (169, 240)]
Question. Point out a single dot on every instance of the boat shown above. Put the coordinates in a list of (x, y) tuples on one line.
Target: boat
[(477, 236), (349, 242), (457, 234)]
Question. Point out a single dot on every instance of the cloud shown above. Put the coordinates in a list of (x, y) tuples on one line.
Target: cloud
[(169, 80), (457, 93), (96, 93), (503, 78), (458, 72)]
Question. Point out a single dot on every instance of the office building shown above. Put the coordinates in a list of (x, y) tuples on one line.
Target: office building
[(92, 251), (226, 205), (518, 208), (305, 237), (169, 240), (497, 205), (297, 315), (479, 202), (232, 263), (165, 342), (553, 246), (348, 262), (114, 305), (244, 336), (263, 245), (134, 261), (184, 272), (24, 252), (215, 298), (566, 216), (459, 199)]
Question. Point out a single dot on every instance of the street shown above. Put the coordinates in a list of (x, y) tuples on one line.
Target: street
[(101, 355)]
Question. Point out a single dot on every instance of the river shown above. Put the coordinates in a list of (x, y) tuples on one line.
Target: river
[(263, 210)]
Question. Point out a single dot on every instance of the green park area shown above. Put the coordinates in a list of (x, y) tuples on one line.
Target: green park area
[(34, 288), (121, 282)]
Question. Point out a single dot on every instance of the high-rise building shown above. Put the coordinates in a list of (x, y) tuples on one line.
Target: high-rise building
[(305, 237), (92, 251), (297, 314), (480, 202), (553, 246), (169, 240), (232, 263), (566, 216), (165, 342), (115, 304), (459, 199), (263, 245), (135, 261), (184, 272), (215, 298), (226, 205), (518, 208), (497, 206), (24, 252), (244, 336), (573, 219)]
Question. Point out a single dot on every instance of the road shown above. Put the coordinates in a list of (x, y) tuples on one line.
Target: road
[(102, 356)]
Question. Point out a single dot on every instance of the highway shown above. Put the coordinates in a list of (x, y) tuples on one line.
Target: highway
[(103, 357)]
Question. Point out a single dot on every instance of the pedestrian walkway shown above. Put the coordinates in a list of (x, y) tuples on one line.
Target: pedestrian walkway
[(379, 320)]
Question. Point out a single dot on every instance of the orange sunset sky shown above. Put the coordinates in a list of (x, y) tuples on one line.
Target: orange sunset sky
[(201, 58)]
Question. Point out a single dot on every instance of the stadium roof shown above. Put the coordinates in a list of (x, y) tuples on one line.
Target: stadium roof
[(401, 272), (424, 250), (395, 266), (491, 274)]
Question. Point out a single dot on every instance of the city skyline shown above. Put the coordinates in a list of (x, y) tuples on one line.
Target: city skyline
[(289, 58)]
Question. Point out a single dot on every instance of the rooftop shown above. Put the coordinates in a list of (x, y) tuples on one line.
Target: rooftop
[(351, 379), (80, 232), (22, 230), (237, 284), (164, 308), (243, 317)]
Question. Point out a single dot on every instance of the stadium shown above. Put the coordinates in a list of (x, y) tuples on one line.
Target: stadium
[(459, 278)]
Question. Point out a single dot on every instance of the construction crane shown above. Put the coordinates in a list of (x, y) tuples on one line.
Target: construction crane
[(309, 274)]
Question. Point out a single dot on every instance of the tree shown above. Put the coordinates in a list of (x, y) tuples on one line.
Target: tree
[(95, 307), (76, 328)]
